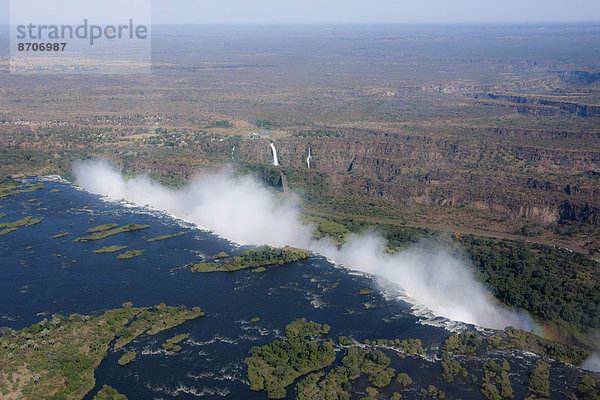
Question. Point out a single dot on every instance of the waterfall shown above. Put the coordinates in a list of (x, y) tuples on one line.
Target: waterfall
[(309, 157), (274, 150), (232, 150)]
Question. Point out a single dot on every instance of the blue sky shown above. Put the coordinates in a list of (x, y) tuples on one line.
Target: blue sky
[(363, 11)]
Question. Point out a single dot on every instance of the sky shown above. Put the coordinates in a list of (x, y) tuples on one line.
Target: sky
[(358, 11)]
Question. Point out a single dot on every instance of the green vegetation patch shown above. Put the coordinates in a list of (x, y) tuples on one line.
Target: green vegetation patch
[(163, 237), (303, 328), (539, 380), (275, 366), (172, 343), (9, 227), (463, 343), (511, 338), (111, 231), (127, 358), (109, 249), (130, 254), (59, 235), (102, 228), (267, 257), (154, 320), (11, 188), (495, 384), (411, 347), (109, 393), (56, 359), (337, 383), (552, 284)]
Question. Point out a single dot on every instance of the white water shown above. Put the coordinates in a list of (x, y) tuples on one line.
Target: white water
[(309, 157), (274, 150)]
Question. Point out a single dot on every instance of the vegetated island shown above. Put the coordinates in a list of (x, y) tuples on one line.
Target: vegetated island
[(59, 235), (9, 187), (130, 254), (275, 366), (127, 358), (9, 227), (104, 231), (56, 359), (109, 249), (267, 257), (163, 237), (101, 228), (172, 343), (109, 393), (306, 354)]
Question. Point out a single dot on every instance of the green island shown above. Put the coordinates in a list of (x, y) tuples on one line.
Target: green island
[(102, 228), (266, 257), (155, 320), (539, 381), (9, 227), (59, 235), (275, 366), (10, 187), (130, 254), (109, 249), (304, 357), (172, 343), (495, 384), (55, 359), (106, 232), (163, 237), (364, 292), (109, 393), (511, 338), (412, 347), (127, 358)]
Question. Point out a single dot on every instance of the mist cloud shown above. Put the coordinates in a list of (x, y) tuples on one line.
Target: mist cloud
[(245, 211)]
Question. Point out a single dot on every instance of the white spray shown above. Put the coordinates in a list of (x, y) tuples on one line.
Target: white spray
[(243, 210), (309, 157), (274, 150)]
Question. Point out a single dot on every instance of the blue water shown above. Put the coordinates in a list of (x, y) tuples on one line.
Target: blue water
[(42, 281)]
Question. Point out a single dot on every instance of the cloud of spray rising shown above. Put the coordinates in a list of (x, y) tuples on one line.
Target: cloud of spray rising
[(244, 211), (592, 363)]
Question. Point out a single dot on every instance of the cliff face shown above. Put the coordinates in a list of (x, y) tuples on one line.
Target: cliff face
[(535, 106), (481, 174)]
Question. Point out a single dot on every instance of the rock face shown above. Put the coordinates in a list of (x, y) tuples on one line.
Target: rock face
[(535, 106), (482, 171)]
